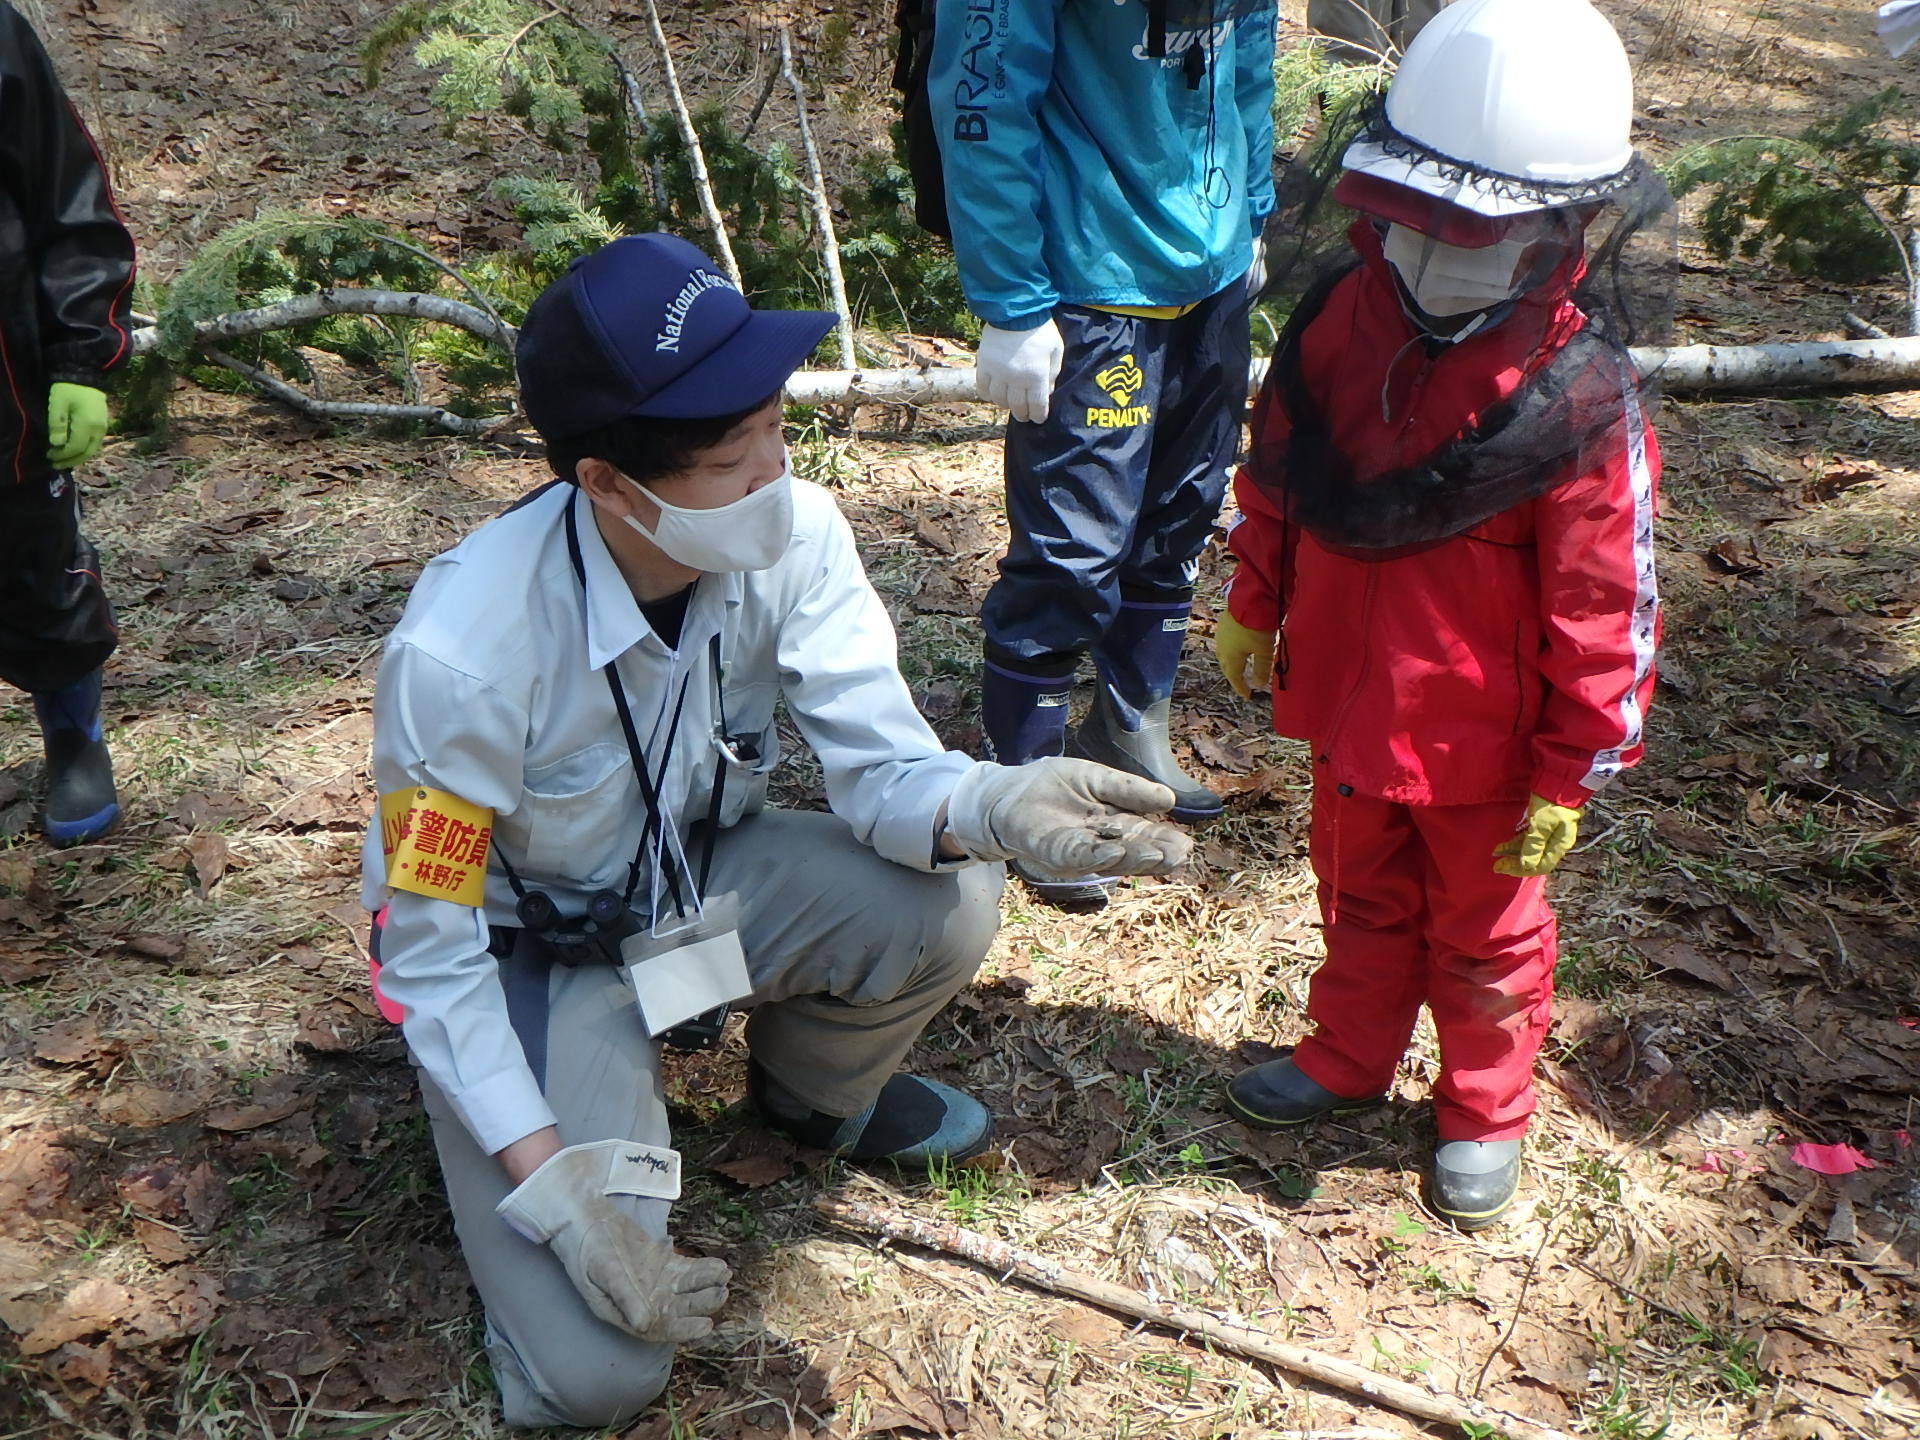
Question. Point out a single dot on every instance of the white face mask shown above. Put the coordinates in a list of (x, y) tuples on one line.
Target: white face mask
[(750, 533), (1447, 280)]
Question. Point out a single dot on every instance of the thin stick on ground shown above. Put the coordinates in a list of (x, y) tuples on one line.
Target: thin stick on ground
[(696, 157), (817, 193), (1241, 1338)]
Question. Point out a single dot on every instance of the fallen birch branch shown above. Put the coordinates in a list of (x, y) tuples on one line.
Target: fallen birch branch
[(1241, 1338), (1807, 365), (1682, 370), (340, 300)]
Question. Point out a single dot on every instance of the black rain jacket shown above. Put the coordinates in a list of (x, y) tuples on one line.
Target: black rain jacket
[(66, 259)]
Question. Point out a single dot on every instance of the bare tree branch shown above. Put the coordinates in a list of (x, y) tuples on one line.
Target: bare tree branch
[(340, 300), (696, 157), (817, 193), (352, 409), (1807, 365)]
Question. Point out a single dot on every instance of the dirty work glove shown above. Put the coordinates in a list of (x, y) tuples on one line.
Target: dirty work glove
[(1065, 819), (1543, 842), (1239, 650), (626, 1276), (76, 423), (1016, 369)]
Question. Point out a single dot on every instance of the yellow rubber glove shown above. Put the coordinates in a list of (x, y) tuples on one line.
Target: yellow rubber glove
[(76, 424), (1549, 833), (1237, 649)]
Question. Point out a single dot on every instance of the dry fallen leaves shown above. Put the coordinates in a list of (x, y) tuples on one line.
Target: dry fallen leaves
[(208, 856)]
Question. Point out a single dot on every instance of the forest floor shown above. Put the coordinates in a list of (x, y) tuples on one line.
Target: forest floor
[(219, 1209)]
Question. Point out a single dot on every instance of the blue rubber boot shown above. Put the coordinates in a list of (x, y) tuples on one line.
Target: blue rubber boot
[(81, 802), (1024, 717), (1127, 727)]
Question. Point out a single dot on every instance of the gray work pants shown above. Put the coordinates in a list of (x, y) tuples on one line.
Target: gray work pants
[(850, 957), (1370, 28)]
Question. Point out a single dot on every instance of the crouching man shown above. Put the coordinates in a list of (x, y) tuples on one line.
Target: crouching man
[(574, 726)]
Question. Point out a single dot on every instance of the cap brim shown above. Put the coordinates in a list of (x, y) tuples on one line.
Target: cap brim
[(750, 365), (1493, 199), (1426, 213)]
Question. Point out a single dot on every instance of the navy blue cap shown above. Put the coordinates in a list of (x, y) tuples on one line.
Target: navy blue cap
[(647, 325)]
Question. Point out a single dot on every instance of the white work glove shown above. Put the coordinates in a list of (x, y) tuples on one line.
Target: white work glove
[(1257, 271), (626, 1276), (1015, 369), (1065, 819)]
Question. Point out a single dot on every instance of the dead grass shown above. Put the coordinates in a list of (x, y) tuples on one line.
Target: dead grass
[(219, 1212)]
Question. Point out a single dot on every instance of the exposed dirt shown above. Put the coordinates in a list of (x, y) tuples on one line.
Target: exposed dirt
[(219, 1212)]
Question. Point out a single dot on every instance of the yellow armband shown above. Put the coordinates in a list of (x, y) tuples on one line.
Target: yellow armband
[(436, 844)]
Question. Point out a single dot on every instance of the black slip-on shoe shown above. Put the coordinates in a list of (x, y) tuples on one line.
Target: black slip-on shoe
[(913, 1122), (1276, 1095), (1079, 895)]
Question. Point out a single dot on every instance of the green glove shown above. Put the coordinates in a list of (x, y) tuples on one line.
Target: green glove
[(76, 424), (1544, 839)]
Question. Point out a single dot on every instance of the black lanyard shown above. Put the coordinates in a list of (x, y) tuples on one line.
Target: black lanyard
[(650, 784)]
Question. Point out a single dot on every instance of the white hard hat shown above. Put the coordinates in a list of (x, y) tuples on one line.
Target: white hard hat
[(1505, 106)]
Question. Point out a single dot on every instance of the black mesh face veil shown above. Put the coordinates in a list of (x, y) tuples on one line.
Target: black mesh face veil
[(1631, 233), (1569, 415)]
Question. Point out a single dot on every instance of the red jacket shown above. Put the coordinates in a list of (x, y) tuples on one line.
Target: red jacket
[(1515, 658)]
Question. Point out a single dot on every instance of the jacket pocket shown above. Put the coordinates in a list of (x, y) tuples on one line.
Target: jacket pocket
[(750, 719), (581, 818)]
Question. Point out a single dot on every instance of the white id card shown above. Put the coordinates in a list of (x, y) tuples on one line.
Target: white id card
[(688, 969)]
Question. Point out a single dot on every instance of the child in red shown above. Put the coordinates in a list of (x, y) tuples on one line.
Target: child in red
[(1446, 570)]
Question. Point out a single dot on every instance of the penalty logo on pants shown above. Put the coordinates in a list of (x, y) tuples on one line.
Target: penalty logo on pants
[(1121, 381)]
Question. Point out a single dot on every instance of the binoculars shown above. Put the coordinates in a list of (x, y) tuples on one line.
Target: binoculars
[(595, 938)]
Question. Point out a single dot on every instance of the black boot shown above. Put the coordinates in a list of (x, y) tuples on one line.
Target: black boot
[(1127, 727), (1276, 1096), (81, 802), (1474, 1181), (1024, 717)]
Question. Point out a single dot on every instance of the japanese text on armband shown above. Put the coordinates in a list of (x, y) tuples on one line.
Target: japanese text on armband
[(435, 844)]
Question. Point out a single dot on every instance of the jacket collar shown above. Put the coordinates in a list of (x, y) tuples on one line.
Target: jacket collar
[(613, 618)]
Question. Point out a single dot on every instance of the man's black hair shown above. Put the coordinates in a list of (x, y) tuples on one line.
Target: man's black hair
[(645, 447)]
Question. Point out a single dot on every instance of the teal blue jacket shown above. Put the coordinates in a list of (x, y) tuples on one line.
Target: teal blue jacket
[(1081, 171)]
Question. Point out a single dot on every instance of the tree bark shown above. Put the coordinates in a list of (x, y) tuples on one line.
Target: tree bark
[(340, 300), (696, 157), (1681, 370), (822, 214), (1806, 365), (356, 409)]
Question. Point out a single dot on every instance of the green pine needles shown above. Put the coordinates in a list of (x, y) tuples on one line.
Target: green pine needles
[(567, 87), (1829, 202)]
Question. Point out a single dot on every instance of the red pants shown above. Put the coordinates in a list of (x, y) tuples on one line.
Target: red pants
[(1414, 913)]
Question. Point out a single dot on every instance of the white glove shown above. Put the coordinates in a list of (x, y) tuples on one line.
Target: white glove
[(1257, 271), (1015, 369), (627, 1277), (1065, 819)]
